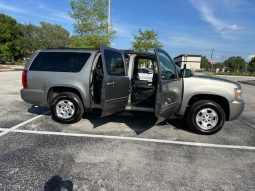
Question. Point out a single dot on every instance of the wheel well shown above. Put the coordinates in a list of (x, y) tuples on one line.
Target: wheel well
[(60, 89), (222, 101)]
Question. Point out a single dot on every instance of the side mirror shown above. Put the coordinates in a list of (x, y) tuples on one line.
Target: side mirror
[(186, 73)]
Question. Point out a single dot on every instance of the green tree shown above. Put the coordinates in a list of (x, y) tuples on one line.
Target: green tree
[(88, 41), (251, 65), (235, 64), (10, 31), (90, 24), (219, 65), (53, 36), (205, 63), (44, 36), (30, 40), (146, 40)]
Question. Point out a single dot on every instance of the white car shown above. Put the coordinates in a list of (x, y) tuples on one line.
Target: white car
[(145, 74)]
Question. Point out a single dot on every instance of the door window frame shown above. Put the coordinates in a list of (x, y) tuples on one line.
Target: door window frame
[(123, 58), (159, 68)]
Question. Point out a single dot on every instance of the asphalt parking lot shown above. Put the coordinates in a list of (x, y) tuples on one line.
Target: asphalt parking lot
[(121, 152)]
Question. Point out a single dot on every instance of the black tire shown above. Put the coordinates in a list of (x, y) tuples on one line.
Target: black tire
[(77, 106), (198, 107)]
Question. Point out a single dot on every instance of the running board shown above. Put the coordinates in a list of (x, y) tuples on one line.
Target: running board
[(144, 109)]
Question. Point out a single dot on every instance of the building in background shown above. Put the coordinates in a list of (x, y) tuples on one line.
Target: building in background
[(193, 62)]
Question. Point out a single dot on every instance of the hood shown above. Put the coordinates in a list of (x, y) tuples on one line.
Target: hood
[(216, 79)]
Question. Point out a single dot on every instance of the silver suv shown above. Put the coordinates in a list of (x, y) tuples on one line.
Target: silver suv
[(74, 81)]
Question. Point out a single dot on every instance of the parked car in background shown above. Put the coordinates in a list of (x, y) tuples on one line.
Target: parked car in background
[(74, 81), (145, 74)]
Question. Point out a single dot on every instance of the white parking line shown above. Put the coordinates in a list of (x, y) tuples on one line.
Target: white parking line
[(137, 139), (14, 129), (22, 124)]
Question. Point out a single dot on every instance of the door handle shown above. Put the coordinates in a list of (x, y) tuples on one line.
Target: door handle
[(110, 83)]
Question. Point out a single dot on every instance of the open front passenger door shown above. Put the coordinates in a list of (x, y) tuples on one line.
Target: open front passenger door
[(169, 89), (115, 87)]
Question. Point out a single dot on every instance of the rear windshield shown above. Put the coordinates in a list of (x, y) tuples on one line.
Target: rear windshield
[(59, 61)]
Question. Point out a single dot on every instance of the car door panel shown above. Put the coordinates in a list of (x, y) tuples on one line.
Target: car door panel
[(115, 87), (169, 89)]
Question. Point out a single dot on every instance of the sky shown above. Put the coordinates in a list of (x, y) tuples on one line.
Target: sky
[(183, 26)]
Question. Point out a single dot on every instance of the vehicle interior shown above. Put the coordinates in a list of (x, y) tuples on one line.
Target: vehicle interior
[(97, 81), (143, 90)]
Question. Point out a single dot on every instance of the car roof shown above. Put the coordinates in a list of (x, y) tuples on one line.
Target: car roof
[(140, 53), (90, 50)]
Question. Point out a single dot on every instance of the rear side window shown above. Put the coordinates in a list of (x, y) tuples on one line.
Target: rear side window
[(59, 61), (114, 63)]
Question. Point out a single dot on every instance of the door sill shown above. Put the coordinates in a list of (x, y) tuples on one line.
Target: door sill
[(144, 109)]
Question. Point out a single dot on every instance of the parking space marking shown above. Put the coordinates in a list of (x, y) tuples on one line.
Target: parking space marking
[(23, 123), (136, 139)]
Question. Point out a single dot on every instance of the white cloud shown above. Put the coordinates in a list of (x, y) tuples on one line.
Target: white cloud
[(63, 15), (124, 34), (123, 30), (187, 41), (208, 15), (250, 57), (6, 7), (57, 14)]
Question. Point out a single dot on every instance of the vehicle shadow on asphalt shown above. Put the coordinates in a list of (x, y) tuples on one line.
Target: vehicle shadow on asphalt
[(178, 124), (56, 183), (39, 110), (139, 122)]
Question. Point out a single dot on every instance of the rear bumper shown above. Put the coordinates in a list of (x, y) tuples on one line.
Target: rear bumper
[(236, 109), (32, 96)]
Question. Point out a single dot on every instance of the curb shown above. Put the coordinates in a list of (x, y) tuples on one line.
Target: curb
[(246, 83), (6, 70), (236, 76), (11, 70)]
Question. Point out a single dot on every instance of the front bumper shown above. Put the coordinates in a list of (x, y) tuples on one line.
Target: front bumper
[(236, 109)]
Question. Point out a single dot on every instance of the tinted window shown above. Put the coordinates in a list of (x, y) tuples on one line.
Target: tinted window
[(59, 61), (114, 63), (167, 68)]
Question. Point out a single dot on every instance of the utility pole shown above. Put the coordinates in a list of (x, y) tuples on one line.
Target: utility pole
[(211, 61), (109, 16), (185, 59)]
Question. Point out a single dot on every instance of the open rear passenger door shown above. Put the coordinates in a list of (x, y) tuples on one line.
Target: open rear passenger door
[(169, 89), (115, 87)]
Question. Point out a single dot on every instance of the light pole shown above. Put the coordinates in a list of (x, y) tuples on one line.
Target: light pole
[(211, 61), (185, 59), (109, 16)]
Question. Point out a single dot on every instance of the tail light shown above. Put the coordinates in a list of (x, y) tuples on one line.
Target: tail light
[(24, 79)]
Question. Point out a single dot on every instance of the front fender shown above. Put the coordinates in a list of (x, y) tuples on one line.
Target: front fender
[(203, 86), (187, 98)]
